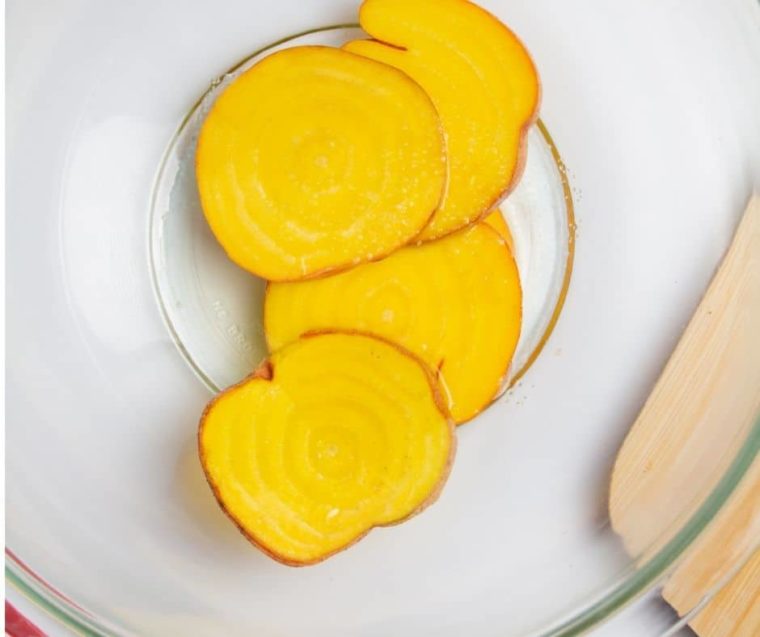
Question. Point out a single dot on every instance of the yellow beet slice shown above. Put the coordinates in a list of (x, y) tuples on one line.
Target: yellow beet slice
[(483, 83), (316, 159), (337, 433), (496, 220), (456, 303)]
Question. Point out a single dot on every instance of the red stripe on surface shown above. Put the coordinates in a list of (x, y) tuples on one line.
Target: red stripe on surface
[(16, 625)]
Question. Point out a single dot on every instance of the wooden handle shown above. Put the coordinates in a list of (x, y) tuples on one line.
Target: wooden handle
[(698, 415)]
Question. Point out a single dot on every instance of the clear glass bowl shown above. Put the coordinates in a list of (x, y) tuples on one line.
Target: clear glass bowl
[(214, 309), (653, 109)]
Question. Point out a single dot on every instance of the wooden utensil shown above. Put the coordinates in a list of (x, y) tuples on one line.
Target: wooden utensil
[(700, 412)]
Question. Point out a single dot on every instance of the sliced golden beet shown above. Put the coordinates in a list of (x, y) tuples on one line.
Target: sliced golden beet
[(497, 221), (337, 433), (316, 159), (483, 83), (456, 303)]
